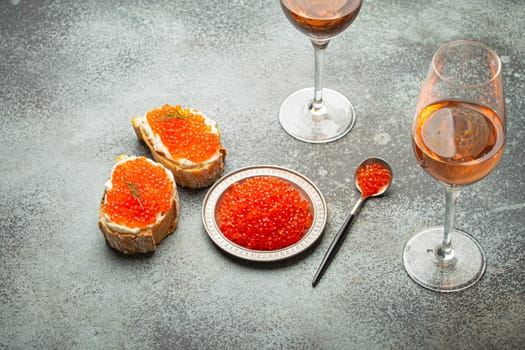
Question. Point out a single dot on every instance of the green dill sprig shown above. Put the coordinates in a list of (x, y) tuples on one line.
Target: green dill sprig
[(135, 193), (174, 115)]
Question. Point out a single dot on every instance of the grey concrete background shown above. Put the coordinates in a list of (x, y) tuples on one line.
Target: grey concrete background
[(74, 73)]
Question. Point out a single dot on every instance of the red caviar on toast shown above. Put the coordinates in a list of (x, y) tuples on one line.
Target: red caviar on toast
[(140, 205), (185, 141)]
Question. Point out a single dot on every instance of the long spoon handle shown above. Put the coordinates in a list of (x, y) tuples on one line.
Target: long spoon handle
[(336, 243)]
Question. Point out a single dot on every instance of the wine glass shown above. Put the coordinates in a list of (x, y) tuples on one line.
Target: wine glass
[(458, 137), (318, 115)]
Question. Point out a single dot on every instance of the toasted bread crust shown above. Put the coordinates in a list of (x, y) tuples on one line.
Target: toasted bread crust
[(145, 240), (198, 176)]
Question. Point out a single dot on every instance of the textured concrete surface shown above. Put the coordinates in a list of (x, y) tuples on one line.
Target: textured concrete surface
[(73, 73)]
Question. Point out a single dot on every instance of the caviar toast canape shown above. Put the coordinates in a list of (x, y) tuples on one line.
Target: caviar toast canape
[(185, 141), (140, 205)]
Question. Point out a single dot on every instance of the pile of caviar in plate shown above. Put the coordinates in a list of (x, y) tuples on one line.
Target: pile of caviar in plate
[(263, 213), (184, 133), (372, 178), (140, 191)]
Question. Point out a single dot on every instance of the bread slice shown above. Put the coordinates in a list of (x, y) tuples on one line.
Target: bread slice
[(147, 238), (196, 175)]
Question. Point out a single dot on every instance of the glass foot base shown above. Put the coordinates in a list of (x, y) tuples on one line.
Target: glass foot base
[(331, 122), (458, 273)]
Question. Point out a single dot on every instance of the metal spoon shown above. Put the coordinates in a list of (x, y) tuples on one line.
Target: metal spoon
[(341, 234)]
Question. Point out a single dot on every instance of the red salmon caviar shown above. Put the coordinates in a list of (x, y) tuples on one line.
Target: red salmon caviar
[(264, 213), (372, 178), (140, 191), (184, 133)]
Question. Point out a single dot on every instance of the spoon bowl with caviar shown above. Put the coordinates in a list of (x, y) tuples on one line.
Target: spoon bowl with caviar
[(373, 177)]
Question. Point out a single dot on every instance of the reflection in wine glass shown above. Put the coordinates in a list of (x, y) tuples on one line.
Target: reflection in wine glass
[(315, 114), (458, 136)]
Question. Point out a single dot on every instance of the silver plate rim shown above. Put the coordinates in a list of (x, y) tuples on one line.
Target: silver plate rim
[(295, 178)]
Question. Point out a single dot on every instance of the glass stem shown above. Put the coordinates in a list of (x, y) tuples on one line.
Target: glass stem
[(444, 251), (319, 47)]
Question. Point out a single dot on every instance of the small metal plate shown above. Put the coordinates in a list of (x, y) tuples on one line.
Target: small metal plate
[(308, 191)]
